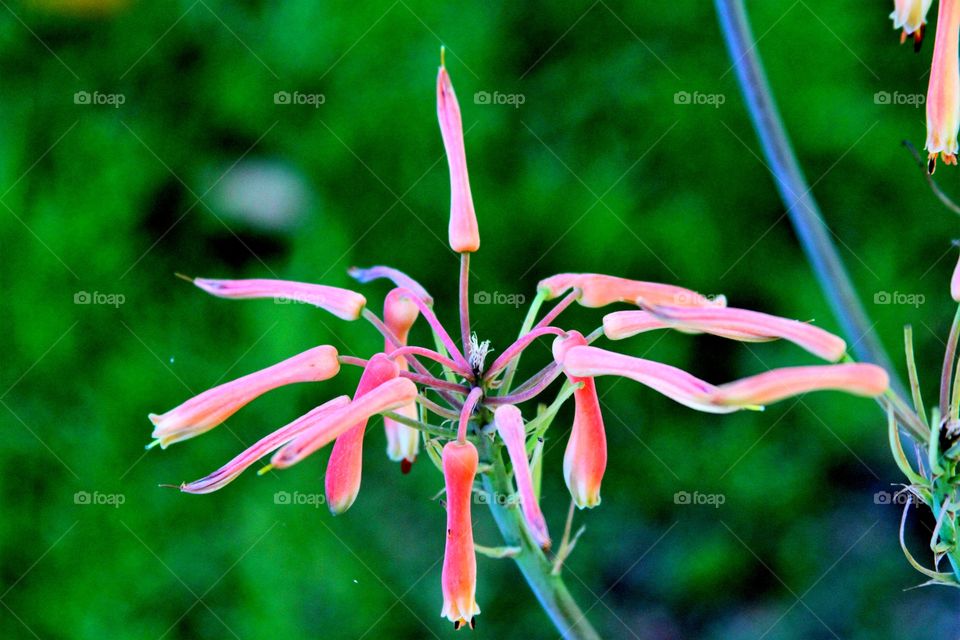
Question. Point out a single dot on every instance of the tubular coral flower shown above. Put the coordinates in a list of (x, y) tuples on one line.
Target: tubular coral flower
[(674, 383), (209, 409), (342, 480), (342, 303), (510, 427), (387, 397), (600, 290), (464, 234), (403, 442), (228, 472), (585, 459), (736, 324), (459, 577), (769, 387), (911, 16), (943, 92)]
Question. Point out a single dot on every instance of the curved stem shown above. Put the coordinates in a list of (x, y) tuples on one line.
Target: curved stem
[(465, 302), (550, 590), (796, 194)]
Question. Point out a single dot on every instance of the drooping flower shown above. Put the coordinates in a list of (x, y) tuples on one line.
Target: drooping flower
[(510, 427), (598, 290), (342, 303), (911, 17), (464, 234), (459, 576), (585, 458), (344, 470), (772, 386), (209, 409), (943, 91), (726, 322), (403, 442)]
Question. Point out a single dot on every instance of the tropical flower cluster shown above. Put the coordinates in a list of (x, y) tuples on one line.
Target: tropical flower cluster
[(466, 411)]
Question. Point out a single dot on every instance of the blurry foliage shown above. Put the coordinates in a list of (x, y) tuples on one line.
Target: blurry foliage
[(105, 199)]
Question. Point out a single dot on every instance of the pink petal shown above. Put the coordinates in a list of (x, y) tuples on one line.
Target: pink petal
[(674, 383), (955, 284), (769, 387), (600, 290), (209, 409), (387, 397), (228, 472), (398, 278), (342, 303), (464, 233), (510, 427)]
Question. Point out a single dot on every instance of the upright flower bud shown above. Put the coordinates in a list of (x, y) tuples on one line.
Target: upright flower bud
[(403, 442), (585, 459), (342, 480), (459, 577), (209, 409), (911, 16), (943, 91), (464, 234), (510, 427)]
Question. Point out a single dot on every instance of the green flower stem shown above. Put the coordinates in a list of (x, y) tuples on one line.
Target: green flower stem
[(549, 589)]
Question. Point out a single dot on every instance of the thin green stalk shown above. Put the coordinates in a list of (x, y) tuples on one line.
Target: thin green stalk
[(549, 589)]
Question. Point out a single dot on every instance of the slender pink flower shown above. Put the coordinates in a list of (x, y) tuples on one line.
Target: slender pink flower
[(342, 480), (943, 91), (911, 16), (769, 387), (509, 423), (228, 472), (403, 442), (209, 409), (388, 396), (342, 303), (399, 278), (727, 322), (459, 577), (464, 233), (674, 383), (600, 290), (955, 284), (585, 459)]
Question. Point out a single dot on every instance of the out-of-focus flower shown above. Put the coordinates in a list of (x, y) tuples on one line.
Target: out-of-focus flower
[(598, 290), (911, 17), (943, 91), (403, 442), (772, 386)]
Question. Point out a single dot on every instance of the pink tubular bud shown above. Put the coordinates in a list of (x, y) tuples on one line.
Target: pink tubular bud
[(459, 577), (464, 233), (769, 387), (510, 427), (342, 303), (600, 290)]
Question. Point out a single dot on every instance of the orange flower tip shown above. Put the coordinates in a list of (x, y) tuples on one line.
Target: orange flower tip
[(338, 507), (405, 466), (459, 624)]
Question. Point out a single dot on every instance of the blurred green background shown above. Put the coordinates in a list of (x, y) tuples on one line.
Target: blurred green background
[(602, 168)]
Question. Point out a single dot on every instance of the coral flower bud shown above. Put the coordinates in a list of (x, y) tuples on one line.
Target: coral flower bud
[(911, 16), (748, 326), (955, 284), (600, 290), (342, 480), (459, 577), (674, 383), (510, 427), (585, 459), (209, 409), (943, 91), (464, 233), (859, 379), (403, 442), (228, 472), (387, 397), (342, 303)]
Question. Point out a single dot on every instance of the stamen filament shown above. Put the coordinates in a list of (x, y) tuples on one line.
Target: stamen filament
[(517, 348)]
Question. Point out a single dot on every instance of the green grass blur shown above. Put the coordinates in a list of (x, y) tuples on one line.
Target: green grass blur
[(600, 169)]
